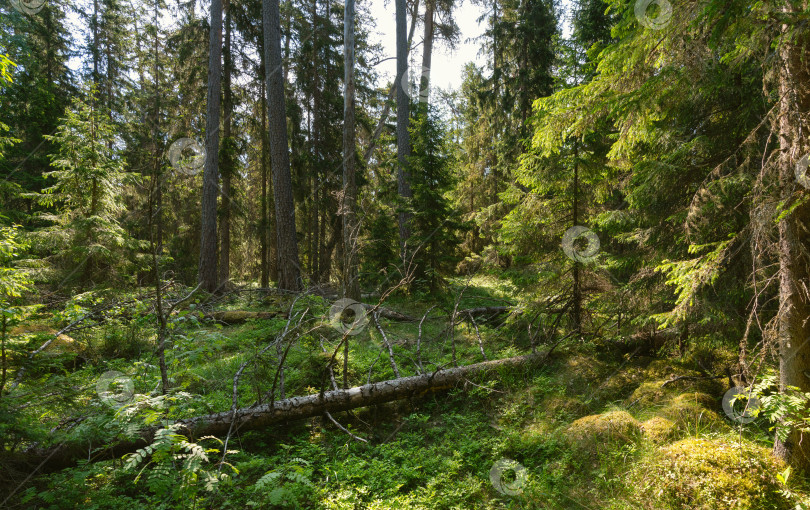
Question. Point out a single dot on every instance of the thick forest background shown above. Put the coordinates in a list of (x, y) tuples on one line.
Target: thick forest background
[(240, 268)]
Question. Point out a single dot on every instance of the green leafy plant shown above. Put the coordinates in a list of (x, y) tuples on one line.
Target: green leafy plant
[(175, 469), (289, 485)]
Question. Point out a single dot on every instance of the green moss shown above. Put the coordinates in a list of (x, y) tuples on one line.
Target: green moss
[(609, 428), (693, 412), (702, 474), (659, 430)]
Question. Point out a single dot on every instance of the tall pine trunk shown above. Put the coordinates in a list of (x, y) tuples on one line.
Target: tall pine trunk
[(351, 287), (228, 160), (403, 137), (794, 262), (264, 222), (289, 277), (427, 52), (208, 218)]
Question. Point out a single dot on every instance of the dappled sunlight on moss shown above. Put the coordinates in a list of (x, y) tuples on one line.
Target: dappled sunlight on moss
[(658, 429), (692, 412), (703, 474), (612, 427)]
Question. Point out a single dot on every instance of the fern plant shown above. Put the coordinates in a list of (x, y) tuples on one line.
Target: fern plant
[(175, 469), (288, 486)]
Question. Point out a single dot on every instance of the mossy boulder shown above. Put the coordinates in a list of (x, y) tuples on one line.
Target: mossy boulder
[(659, 430), (614, 427), (703, 474), (649, 393), (662, 369), (694, 412)]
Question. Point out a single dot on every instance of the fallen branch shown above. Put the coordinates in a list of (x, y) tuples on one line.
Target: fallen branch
[(344, 429)]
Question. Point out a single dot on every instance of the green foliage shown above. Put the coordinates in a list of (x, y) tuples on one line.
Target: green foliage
[(788, 410), (174, 469), (13, 281), (89, 183), (434, 221), (287, 486)]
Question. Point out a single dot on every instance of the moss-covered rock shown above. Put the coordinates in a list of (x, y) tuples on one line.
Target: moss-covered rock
[(659, 430), (608, 428), (702, 474), (694, 412), (649, 393)]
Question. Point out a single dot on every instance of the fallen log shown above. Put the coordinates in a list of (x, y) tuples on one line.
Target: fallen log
[(486, 310), (240, 316), (390, 314), (261, 416)]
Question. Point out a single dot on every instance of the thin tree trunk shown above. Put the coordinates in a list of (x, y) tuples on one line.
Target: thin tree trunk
[(288, 263), (403, 137), (208, 218), (155, 130), (351, 287), (427, 52), (577, 284), (264, 223), (372, 144)]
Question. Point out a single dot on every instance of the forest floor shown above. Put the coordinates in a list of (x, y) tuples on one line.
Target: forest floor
[(595, 425)]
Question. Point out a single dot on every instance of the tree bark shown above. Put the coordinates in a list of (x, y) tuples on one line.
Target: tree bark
[(403, 137), (351, 287), (280, 411), (264, 222), (227, 161), (427, 52), (794, 262), (208, 219), (577, 284), (289, 268)]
